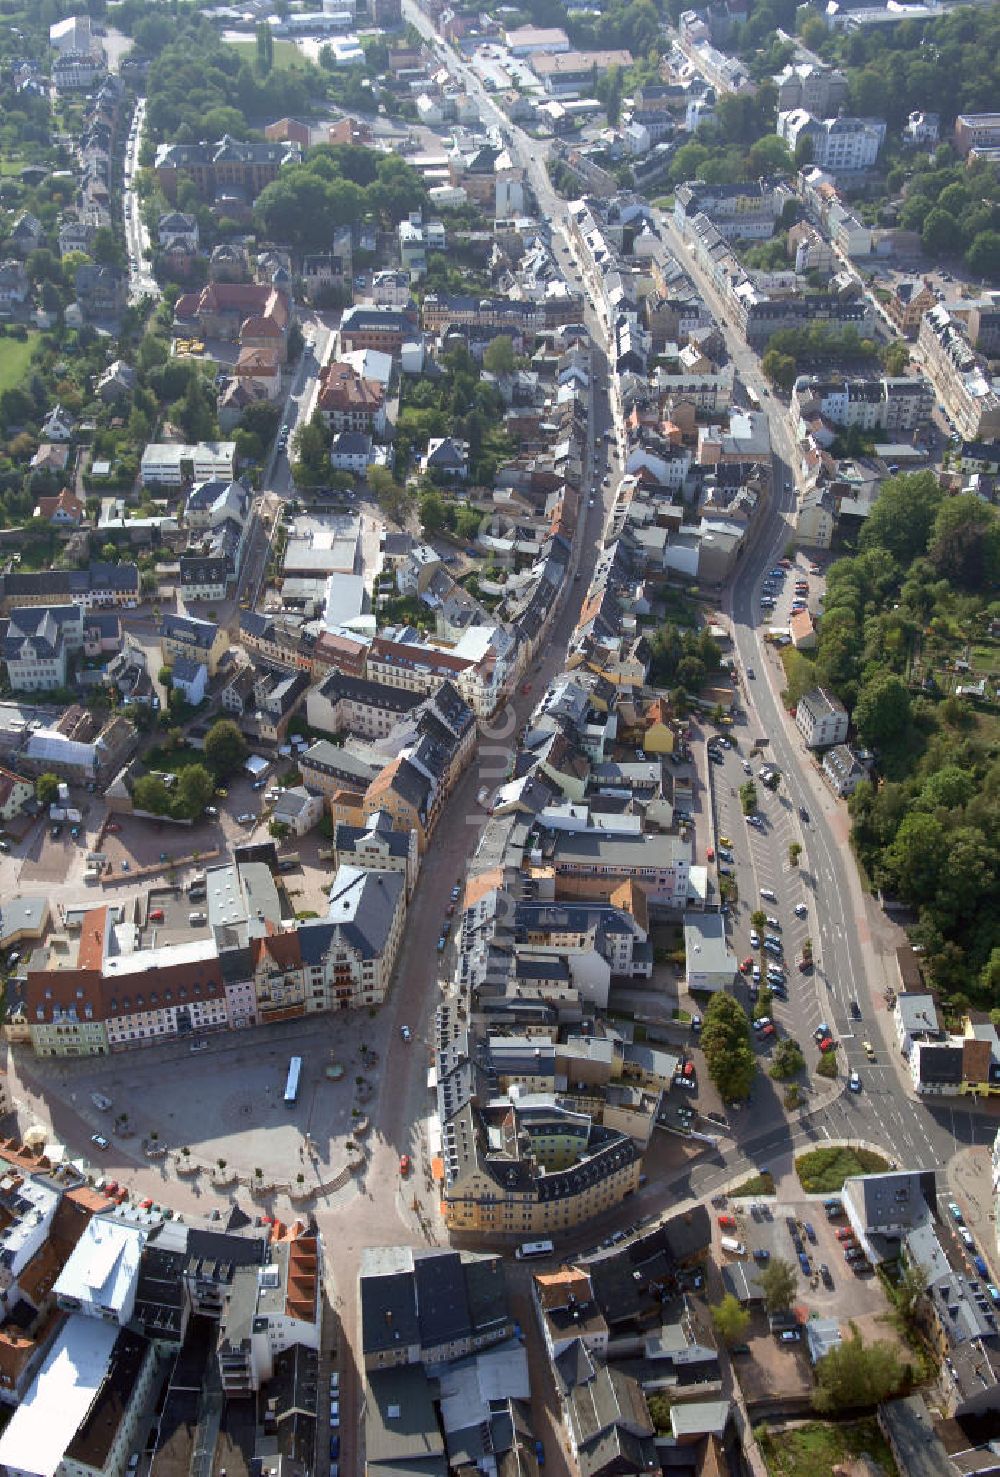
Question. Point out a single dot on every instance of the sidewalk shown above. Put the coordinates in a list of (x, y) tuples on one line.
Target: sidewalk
[(968, 1176)]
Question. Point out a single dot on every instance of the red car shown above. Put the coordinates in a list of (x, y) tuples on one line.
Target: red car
[(689, 1069), (404, 1164), (146, 1204), (727, 1222), (769, 1030), (747, 964), (156, 915), (827, 1044), (844, 1233), (112, 827), (710, 853)]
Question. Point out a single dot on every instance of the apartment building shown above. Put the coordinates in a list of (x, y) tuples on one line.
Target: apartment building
[(35, 643), (748, 212), (906, 305), (269, 1310), (530, 1166), (820, 90), (349, 402), (592, 863), (365, 326), (888, 404), (976, 131), (197, 640), (171, 464), (429, 1305), (378, 847), (99, 586), (821, 718), (960, 375), (841, 145), (246, 165)]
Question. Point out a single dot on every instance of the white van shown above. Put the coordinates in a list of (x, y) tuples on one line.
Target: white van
[(734, 1247)]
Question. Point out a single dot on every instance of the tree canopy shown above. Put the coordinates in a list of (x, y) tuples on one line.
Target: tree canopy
[(225, 747), (725, 1040), (779, 1281), (856, 1375), (335, 186)]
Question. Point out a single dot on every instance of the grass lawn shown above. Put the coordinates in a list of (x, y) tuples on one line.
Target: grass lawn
[(15, 359), (286, 53), (757, 1184), (985, 659), (824, 1170), (818, 1446), (171, 760)]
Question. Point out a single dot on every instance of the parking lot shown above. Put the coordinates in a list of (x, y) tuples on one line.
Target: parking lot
[(786, 590), (765, 1226)]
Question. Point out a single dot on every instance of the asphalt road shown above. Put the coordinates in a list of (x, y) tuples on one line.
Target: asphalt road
[(852, 940), (142, 283)]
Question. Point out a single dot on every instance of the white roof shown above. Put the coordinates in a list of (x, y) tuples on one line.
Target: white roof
[(193, 951), (103, 1267), (60, 1396), (48, 743)]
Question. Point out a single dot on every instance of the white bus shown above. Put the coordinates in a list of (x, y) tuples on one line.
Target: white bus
[(529, 1249), (292, 1084)]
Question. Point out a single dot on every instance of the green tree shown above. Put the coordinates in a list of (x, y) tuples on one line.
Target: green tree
[(225, 747), (910, 1289), (903, 515), (914, 860), (265, 49), (748, 797), (896, 357), (311, 448), (787, 1060), (151, 795), (730, 1319), (195, 788), (882, 712), (433, 512), (779, 368), (47, 789), (856, 1375), (395, 500), (983, 255), (965, 542), (609, 89), (725, 1040), (779, 1282), (941, 234), (498, 356)]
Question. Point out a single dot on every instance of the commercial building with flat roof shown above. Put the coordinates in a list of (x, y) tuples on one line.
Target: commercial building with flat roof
[(709, 963)]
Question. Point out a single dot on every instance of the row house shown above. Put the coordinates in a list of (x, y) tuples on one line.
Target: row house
[(100, 586)]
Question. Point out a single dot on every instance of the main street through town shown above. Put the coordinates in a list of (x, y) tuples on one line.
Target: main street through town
[(853, 943)]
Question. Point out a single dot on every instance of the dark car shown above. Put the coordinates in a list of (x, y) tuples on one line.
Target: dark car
[(855, 1010), (803, 814), (824, 1272)]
